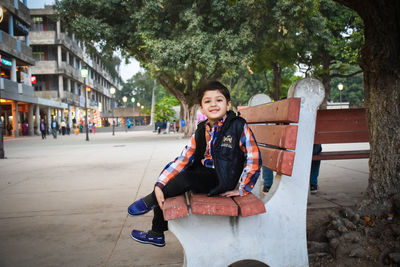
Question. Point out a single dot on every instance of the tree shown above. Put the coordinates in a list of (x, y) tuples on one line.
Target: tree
[(380, 61), (279, 44), (182, 44), (164, 109), (337, 34)]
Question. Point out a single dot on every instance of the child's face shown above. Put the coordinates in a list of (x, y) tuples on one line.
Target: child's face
[(214, 105)]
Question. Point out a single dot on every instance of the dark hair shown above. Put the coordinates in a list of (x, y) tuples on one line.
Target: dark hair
[(211, 86)]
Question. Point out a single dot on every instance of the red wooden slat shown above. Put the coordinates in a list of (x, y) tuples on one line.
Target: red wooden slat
[(286, 110), (340, 137), (249, 205), (278, 160), (283, 136), (341, 114), (341, 126), (202, 204), (175, 207), (332, 155)]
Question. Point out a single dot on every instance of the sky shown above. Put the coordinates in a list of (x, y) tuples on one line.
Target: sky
[(127, 70)]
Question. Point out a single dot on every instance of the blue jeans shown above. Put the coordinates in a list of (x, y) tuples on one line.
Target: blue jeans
[(268, 176)]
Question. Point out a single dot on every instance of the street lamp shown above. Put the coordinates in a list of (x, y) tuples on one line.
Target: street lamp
[(138, 104), (1, 132), (340, 87), (125, 99), (133, 100), (112, 92), (84, 74)]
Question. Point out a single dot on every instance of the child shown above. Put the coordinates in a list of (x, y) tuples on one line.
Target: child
[(221, 159)]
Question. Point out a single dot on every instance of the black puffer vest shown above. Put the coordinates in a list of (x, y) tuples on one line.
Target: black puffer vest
[(228, 157)]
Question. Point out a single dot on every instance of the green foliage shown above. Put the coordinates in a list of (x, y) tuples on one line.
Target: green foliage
[(163, 110), (180, 43), (353, 90), (139, 87), (243, 85)]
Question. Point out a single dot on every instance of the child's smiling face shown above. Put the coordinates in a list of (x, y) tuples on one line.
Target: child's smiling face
[(214, 105)]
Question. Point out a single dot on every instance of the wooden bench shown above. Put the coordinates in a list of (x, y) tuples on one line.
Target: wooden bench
[(284, 131), (335, 126)]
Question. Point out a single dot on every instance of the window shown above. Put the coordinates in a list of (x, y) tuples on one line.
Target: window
[(37, 24), (65, 84), (63, 56), (72, 86), (71, 60), (38, 52)]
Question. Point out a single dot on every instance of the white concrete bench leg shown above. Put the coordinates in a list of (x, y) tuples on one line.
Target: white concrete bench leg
[(278, 237)]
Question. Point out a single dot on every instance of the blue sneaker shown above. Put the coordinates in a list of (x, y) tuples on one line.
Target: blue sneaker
[(148, 238), (139, 207)]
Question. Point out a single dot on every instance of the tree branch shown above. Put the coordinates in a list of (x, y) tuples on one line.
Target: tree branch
[(345, 75)]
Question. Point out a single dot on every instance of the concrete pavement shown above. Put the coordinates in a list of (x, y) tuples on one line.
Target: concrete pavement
[(63, 201)]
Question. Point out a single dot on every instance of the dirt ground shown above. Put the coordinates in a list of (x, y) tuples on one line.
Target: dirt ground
[(341, 237)]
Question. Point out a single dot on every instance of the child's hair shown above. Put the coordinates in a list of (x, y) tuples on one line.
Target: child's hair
[(211, 86)]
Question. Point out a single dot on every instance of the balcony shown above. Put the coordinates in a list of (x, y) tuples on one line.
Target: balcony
[(45, 67), (16, 48), (50, 38), (16, 91), (21, 12), (71, 98), (52, 94), (70, 71), (42, 38)]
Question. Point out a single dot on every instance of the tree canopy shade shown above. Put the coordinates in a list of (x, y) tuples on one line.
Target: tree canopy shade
[(380, 61)]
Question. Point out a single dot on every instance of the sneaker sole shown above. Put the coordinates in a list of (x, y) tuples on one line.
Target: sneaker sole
[(138, 214), (146, 242)]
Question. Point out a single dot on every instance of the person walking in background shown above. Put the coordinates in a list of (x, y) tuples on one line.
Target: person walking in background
[(63, 127), (42, 127), (268, 175), (54, 126), (68, 129)]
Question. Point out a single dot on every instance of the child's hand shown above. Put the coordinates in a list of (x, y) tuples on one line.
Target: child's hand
[(160, 197), (232, 193)]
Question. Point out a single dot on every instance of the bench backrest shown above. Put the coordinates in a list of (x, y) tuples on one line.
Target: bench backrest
[(341, 126), (275, 136)]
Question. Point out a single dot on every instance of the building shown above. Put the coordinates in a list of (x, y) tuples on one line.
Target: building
[(59, 59), (17, 100)]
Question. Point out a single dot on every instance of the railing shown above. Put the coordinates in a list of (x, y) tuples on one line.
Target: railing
[(68, 42), (44, 67), (70, 98), (42, 37), (69, 70), (52, 94), (9, 45)]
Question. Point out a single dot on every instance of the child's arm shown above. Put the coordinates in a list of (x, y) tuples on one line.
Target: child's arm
[(178, 165), (252, 164)]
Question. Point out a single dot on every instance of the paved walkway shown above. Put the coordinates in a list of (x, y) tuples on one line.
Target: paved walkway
[(63, 201)]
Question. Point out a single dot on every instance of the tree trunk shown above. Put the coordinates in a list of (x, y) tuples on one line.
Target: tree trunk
[(277, 81), (326, 81), (190, 117), (381, 66)]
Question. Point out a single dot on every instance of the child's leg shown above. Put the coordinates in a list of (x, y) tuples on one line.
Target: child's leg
[(200, 180)]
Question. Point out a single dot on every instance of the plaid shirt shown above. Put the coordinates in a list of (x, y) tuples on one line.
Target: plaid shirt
[(247, 144)]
